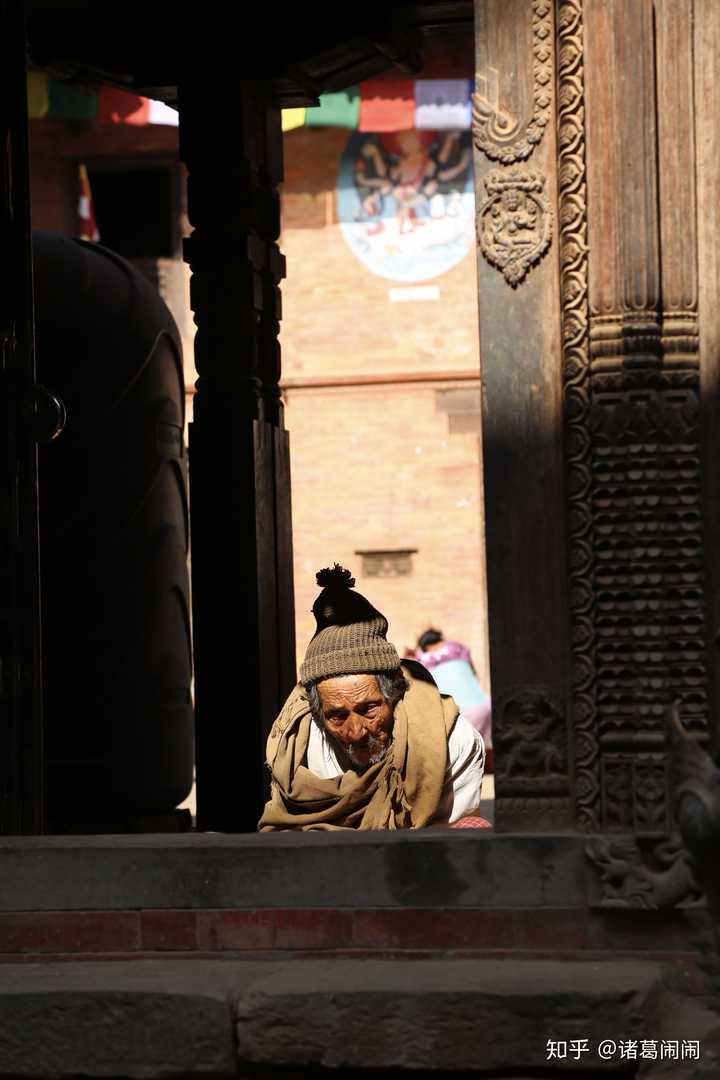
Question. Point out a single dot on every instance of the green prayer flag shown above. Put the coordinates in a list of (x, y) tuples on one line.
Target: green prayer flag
[(68, 101), (341, 109)]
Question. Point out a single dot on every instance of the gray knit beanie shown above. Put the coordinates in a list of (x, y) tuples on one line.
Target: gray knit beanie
[(350, 636)]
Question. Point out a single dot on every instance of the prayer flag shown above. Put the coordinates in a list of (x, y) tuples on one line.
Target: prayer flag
[(387, 105), (160, 113), (121, 107), (442, 103), (292, 118), (37, 94), (69, 101), (336, 110), (87, 226)]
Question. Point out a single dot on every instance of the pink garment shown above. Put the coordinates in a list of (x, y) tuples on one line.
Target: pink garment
[(449, 650), (480, 716), (460, 681)]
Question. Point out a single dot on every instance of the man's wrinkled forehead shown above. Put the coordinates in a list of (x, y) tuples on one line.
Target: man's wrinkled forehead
[(348, 689)]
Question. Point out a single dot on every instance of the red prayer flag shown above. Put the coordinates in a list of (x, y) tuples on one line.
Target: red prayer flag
[(387, 105), (120, 107), (87, 226)]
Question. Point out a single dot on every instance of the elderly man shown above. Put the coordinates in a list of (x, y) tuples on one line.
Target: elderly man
[(365, 741)]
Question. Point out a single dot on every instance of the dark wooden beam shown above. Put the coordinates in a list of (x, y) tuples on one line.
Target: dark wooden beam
[(239, 472), (20, 680)]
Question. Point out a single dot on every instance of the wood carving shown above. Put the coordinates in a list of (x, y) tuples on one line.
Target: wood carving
[(696, 789), (531, 782), (573, 239), (635, 794), (514, 224), (632, 877), (495, 131), (531, 736), (632, 427)]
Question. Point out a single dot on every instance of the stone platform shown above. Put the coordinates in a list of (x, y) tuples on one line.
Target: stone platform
[(171, 1018)]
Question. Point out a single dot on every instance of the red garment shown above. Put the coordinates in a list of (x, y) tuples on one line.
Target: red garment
[(471, 823)]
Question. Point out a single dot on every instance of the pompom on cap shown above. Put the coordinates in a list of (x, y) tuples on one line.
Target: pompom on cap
[(336, 578), (351, 634)]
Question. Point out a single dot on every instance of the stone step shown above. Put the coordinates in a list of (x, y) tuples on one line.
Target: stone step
[(182, 1018)]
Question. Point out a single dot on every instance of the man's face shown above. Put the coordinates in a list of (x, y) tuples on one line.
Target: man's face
[(357, 717)]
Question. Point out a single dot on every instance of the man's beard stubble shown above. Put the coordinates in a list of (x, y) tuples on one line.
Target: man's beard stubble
[(378, 749)]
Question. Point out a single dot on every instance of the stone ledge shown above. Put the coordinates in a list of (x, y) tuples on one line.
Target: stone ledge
[(171, 1019), (441, 1015), (430, 868), (136, 1020)]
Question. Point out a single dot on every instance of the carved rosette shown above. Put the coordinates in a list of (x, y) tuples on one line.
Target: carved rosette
[(514, 224), (572, 228), (496, 133)]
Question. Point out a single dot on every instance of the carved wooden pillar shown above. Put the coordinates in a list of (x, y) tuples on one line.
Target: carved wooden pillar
[(704, 94), (515, 176), (21, 773), (239, 475), (649, 644), (634, 169)]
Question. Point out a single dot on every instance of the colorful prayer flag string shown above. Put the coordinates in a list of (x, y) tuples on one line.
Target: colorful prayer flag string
[(389, 105)]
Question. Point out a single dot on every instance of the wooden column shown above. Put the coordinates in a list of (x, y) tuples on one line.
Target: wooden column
[(600, 440), (517, 227), (239, 475), (650, 644), (703, 98), (20, 675)]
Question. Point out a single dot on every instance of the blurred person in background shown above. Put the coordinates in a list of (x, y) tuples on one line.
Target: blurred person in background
[(451, 666)]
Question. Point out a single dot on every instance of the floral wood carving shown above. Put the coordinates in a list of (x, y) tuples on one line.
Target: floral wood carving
[(573, 240), (495, 132), (514, 223), (633, 877)]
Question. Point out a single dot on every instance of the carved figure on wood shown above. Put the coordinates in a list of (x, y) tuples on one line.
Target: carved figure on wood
[(514, 223), (633, 878), (530, 736), (696, 783)]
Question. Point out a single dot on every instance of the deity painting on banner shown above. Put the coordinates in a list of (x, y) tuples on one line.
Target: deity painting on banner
[(406, 203)]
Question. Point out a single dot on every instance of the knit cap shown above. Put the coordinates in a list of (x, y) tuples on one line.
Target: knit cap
[(350, 636)]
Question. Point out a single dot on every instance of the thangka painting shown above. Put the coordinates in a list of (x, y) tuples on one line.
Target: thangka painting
[(406, 202)]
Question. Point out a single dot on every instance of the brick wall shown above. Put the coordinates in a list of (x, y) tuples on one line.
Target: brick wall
[(376, 468), (374, 464)]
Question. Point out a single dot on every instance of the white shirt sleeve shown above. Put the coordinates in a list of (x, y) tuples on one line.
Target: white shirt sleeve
[(464, 774)]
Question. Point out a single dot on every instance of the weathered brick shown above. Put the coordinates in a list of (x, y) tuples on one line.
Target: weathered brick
[(174, 931), (69, 931)]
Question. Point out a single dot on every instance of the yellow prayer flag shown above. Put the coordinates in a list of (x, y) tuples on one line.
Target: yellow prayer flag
[(37, 93), (292, 118)]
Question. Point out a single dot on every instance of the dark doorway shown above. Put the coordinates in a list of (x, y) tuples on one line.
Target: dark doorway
[(134, 210)]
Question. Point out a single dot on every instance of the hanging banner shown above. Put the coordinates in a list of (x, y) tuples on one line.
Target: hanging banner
[(406, 203)]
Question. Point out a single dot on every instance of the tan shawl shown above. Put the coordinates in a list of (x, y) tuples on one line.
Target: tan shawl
[(400, 792)]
